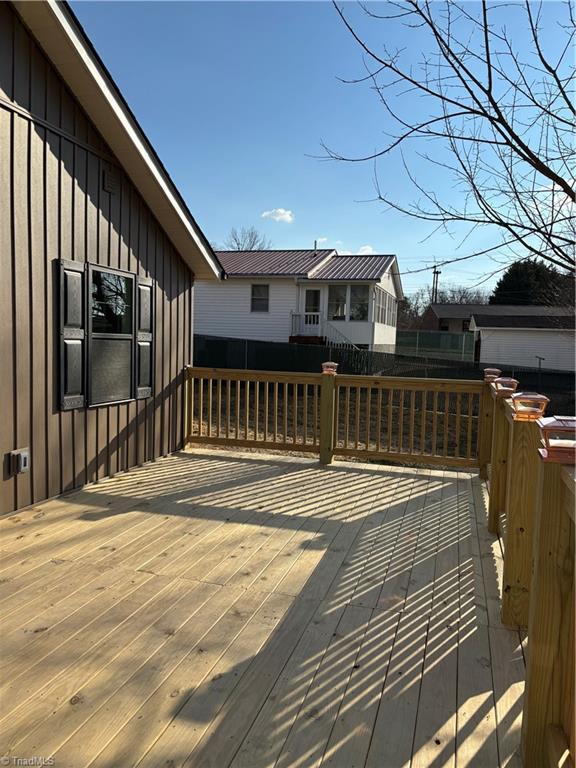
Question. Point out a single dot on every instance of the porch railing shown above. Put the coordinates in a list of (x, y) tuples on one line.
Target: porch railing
[(420, 421), (451, 423), (531, 507), (313, 324)]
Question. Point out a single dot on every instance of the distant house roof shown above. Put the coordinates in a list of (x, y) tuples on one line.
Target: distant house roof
[(324, 264), (272, 263), (464, 311), (353, 268), (517, 322)]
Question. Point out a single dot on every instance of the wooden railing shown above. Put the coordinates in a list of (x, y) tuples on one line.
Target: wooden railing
[(422, 421), (252, 408), (427, 421), (531, 506), (451, 423)]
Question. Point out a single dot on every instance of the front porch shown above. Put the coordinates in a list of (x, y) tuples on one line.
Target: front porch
[(220, 608)]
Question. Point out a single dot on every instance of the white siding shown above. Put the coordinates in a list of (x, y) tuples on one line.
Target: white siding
[(384, 337), (507, 348), (223, 309)]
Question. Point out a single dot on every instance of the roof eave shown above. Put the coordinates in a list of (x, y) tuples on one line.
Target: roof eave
[(61, 37)]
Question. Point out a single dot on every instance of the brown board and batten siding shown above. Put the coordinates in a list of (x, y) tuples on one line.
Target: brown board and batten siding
[(53, 206)]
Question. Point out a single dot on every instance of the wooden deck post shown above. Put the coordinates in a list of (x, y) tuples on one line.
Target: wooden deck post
[(548, 719), (520, 509), (499, 460), (327, 398), (485, 425)]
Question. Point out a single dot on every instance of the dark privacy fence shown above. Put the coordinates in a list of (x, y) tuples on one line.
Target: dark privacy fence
[(244, 354)]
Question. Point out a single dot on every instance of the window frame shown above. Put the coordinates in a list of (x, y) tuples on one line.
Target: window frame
[(346, 315), (259, 298), (91, 335), (355, 319)]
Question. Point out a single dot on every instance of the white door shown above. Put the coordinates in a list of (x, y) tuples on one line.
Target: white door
[(312, 312)]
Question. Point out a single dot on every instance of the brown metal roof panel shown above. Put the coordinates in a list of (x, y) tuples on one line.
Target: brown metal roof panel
[(271, 263), (354, 268)]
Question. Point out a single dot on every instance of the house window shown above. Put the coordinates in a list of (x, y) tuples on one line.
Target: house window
[(111, 341), (260, 298), (105, 336), (386, 308), (359, 302), (337, 302)]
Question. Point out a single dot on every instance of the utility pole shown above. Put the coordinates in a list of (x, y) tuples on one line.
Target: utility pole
[(435, 274)]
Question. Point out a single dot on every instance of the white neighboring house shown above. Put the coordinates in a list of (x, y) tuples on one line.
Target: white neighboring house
[(315, 296), (519, 340)]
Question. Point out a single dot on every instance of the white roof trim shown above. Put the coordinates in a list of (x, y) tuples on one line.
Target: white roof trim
[(51, 23)]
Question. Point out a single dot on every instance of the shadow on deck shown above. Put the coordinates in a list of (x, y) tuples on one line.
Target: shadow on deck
[(226, 609)]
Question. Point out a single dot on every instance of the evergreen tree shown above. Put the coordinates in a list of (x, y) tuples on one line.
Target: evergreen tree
[(533, 282)]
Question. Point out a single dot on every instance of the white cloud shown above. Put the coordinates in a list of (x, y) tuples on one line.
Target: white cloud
[(321, 239), (366, 250), (279, 214), (345, 253)]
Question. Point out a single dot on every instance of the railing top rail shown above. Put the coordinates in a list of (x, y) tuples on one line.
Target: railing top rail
[(236, 374), (407, 382)]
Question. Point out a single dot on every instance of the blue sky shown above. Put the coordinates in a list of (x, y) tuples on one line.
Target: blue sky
[(236, 98)]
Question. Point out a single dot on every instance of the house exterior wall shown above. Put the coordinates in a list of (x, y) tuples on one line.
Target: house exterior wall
[(223, 309), (507, 347), (384, 337), (53, 206)]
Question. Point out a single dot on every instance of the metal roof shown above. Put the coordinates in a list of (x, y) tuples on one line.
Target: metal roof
[(518, 322), (354, 268), (293, 263), (323, 264), (464, 311)]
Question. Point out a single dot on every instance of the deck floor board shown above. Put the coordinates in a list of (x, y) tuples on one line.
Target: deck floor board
[(219, 608)]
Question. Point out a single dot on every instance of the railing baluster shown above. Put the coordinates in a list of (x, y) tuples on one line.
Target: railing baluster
[(389, 420), (246, 408), (191, 412), (209, 408), (266, 403), (219, 406), (458, 426), (228, 401), (237, 434), (368, 415), (295, 413), (315, 414), (379, 419), (305, 416), (285, 413), (434, 422), (200, 406), (347, 419), (470, 423), (412, 418), (275, 411), (336, 415), (256, 407), (446, 420), (357, 415), (401, 422), (423, 421)]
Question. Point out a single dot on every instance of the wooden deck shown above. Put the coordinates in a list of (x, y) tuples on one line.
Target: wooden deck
[(226, 609)]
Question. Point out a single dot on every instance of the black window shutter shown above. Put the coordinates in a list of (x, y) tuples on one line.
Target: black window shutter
[(144, 337), (72, 334)]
